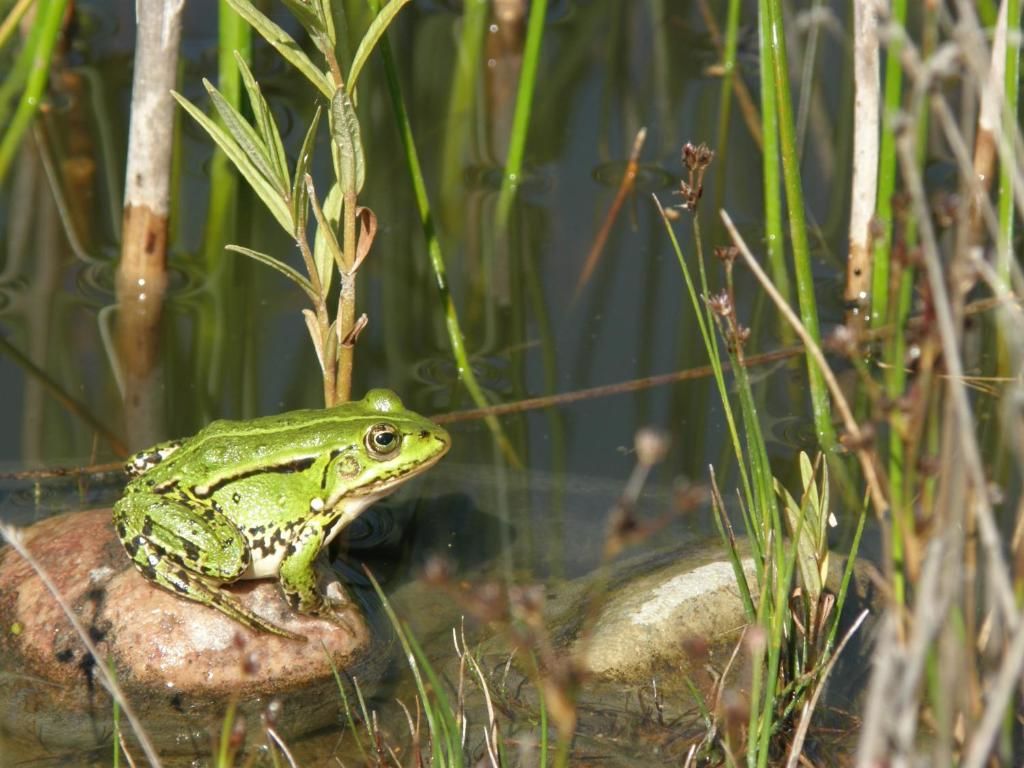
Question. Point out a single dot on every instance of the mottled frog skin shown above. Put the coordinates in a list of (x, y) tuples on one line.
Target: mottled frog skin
[(261, 498)]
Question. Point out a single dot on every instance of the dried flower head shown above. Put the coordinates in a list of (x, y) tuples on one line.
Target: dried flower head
[(651, 445), (697, 157), (727, 253), (721, 304)]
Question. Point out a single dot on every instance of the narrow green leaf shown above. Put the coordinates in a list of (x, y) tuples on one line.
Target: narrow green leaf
[(245, 136), (300, 198), (806, 526), (265, 123), (278, 265), (325, 230), (323, 251), (373, 34), (270, 197), (306, 16), (345, 133), (326, 15), (283, 44)]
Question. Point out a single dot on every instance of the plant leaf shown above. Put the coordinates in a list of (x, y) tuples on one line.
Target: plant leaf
[(803, 527), (313, 326), (325, 247), (271, 198), (300, 197), (345, 133), (323, 11), (280, 266), (245, 136), (305, 15), (265, 124), (283, 44), (367, 233), (373, 34), (325, 227)]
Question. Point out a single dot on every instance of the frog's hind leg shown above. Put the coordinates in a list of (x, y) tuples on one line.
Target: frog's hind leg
[(188, 551), (199, 588)]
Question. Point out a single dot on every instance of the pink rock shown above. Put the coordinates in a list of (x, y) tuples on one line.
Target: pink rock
[(171, 655)]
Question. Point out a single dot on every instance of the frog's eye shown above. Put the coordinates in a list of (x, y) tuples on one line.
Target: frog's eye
[(382, 440)]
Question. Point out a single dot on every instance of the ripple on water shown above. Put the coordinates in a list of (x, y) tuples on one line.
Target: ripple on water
[(441, 373), (96, 281), (649, 177), (557, 10)]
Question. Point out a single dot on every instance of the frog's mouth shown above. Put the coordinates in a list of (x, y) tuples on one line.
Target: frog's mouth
[(386, 484)]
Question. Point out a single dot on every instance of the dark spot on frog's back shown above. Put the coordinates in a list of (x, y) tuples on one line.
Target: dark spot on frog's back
[(191, 549)]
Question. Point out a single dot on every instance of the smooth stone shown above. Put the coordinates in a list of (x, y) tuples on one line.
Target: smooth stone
[(176, 660), (643, 629), (664, 616)]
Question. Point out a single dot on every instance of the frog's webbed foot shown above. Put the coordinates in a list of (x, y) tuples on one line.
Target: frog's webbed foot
[(300, 589), (203, 591)]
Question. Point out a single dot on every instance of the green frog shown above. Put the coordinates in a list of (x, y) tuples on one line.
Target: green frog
[(261, 498)]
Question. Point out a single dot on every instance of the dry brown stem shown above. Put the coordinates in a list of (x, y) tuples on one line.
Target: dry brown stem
[(858, 441)]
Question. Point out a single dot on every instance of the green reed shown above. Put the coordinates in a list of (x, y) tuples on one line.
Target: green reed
[(887, 173), (455, 335), (524, 107), (775, 239), (30, 73), (775, 52), (1011, 97)]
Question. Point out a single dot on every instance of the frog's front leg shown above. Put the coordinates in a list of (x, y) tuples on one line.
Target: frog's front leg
[(188, 551), (297, 572)]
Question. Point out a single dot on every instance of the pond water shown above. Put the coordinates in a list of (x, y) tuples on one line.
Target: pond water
[(234, 343)]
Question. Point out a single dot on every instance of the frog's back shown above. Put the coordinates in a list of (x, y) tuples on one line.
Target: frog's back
[(228, 449), (225, 447)]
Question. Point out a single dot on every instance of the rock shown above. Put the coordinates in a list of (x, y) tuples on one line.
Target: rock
[(644, 628), (177, 661), (666, 615)]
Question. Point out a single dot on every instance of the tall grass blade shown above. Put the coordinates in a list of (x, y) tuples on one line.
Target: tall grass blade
[(524, 106), (1007, 156), (455, 335), (892, 95), (776, 51), (38, 55)]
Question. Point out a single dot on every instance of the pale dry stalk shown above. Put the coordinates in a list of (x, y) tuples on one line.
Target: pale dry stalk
[(866, 127), (142, 271)]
